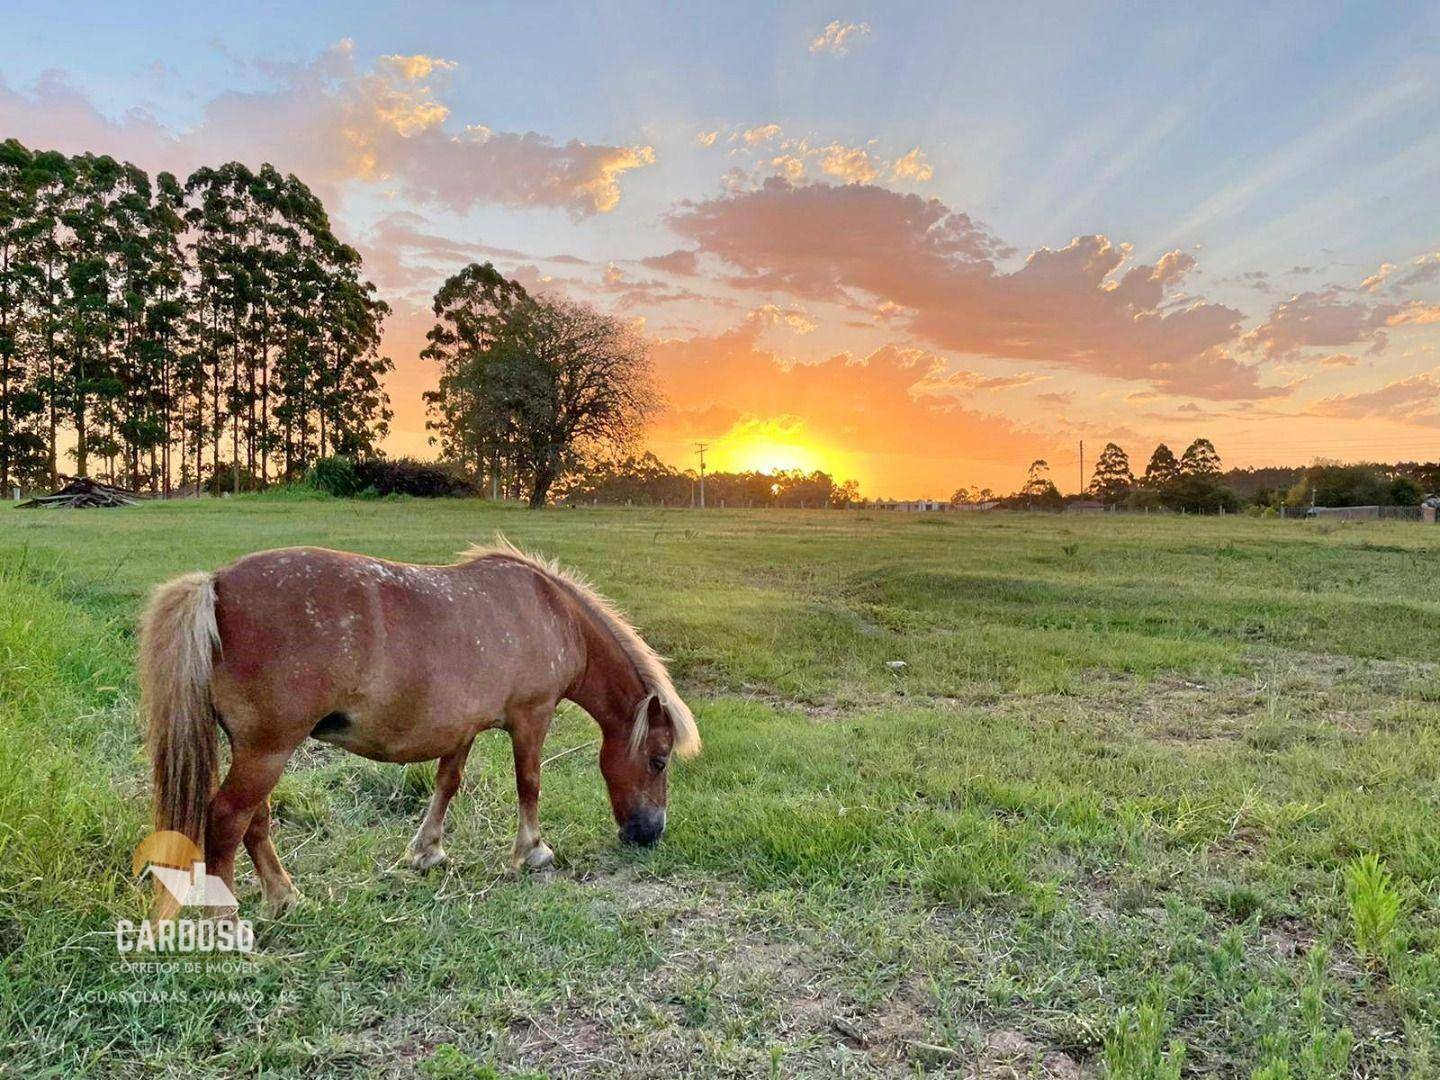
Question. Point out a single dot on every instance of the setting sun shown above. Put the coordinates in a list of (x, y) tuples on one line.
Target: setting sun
[(775, 444)]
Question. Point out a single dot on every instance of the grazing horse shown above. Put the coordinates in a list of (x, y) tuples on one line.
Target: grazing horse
[(395, 662)]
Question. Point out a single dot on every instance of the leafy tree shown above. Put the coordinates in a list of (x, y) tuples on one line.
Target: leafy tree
[(1037, 478), (968, 495), (21, 444), (1200, 459), (1162, 468), (534, 386), (1113, 479), (1332, 484), (1404, 491), (472, 310), (1197, 493)]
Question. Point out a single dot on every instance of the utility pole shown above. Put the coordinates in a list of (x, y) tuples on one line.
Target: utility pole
[(1082, 466), (700, 449)]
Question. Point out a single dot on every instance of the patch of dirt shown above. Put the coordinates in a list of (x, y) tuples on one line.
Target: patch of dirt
[(1008, 1054)]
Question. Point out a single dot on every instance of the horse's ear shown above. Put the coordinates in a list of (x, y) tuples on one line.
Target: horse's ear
[(644, 716)]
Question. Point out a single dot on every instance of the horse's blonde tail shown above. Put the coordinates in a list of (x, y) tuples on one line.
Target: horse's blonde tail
[(178, 636)]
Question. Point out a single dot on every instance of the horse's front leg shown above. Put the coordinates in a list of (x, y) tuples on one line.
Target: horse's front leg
[(528, 729), (425, 849)]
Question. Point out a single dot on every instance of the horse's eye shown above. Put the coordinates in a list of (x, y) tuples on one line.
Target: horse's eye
[(658, 763)]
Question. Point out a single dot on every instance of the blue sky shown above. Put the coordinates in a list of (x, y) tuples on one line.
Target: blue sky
[(1286, 154)]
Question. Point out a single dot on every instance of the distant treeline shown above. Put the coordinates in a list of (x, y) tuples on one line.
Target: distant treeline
[(1195, 483), (648, 481), (159, 332)]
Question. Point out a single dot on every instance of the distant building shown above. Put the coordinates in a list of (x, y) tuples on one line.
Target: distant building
[(912, 505)]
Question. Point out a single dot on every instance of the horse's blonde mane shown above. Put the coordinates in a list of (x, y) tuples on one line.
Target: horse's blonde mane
[(649, 665)]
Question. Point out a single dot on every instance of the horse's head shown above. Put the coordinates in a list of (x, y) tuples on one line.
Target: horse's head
[(635, 764)]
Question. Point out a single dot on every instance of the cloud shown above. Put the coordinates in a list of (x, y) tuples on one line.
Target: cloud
[(681, 261), (760, 135), (55, 115), (1076, 306), (851, 164), (415, 68), (1424, 269), (628, 293), (400, 253), (774, 315), (791, 157), (706, 138), (789, 166), (1330, 319), (1410, 400), (964, 381), (837, 37), (333, 122), (912, 166), (1376, 280)]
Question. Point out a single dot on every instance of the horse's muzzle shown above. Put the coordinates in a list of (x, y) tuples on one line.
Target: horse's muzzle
[(644, 826)]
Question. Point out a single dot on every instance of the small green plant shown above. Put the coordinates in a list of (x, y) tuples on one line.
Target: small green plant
[(449, 1062), (1070, 549), (1374, 906), (1275, 1070), (1135, 1050), (1328, 1049)]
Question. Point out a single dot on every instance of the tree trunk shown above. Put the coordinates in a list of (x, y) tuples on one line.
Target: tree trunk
[(544, 477)]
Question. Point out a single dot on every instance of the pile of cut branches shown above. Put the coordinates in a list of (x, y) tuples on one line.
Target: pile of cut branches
[(80, 493)]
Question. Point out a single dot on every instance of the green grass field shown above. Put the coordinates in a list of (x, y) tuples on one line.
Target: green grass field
[(1151, 797)]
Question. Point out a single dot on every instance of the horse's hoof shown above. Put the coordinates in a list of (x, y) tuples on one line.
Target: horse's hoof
[(281, 902), (427, 858), (540, 857), (224, 918)]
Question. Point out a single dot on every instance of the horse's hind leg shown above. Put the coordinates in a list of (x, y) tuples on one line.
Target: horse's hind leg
[(425, 849), (275, 884), (252, 776)]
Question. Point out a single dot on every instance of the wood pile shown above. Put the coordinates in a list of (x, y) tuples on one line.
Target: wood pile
[(80, 493)]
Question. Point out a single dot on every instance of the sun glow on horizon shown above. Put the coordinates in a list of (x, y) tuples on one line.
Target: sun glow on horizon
[(776, 444)]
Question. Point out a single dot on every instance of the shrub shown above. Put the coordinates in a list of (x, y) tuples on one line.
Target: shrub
[(335, 476), (406, 476), (1405, 492)]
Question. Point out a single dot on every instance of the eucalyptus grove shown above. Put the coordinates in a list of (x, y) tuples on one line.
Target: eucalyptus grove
[(159, 333)]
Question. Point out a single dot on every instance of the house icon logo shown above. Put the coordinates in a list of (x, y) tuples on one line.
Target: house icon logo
[(175, 862)]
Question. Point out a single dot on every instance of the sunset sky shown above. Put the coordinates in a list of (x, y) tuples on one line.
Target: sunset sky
[(914, 247)]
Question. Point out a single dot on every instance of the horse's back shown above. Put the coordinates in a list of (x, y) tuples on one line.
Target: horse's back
[(401, 652)]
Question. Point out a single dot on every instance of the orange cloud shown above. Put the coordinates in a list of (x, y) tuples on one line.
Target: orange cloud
[(851, 164), (764, 133), (859, 244), (912, 166)]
